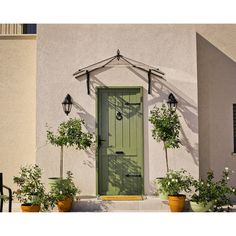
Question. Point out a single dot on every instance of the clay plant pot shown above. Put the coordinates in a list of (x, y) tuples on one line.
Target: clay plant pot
[(65, 204), (30, 208), (199, 207), (177, 202)]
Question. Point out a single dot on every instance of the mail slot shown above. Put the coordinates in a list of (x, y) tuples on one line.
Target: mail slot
[(120, 152), (133, 175)]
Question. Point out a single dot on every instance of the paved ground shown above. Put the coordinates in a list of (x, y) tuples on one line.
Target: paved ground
[(92, 204), (151, 204)]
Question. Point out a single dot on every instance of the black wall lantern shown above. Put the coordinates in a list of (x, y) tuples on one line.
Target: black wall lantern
[(172, 102), (67, 104)]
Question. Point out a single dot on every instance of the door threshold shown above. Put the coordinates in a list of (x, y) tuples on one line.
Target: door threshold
[(122, 198)]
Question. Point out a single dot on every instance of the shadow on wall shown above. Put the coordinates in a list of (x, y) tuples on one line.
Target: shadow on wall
[(89, 125), (187, 107), (216, 94), (94, 81)]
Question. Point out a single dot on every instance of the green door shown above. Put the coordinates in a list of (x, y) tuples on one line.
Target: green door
[(120, 141)]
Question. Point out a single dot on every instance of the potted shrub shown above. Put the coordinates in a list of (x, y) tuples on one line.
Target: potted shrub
[(166, 129), (213, 195), (175, 183), (204, 194), (223, 192), (31, 192), (63, 192), (69, 134)]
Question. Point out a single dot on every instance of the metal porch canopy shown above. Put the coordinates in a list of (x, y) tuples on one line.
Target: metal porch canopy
[(118, 58)]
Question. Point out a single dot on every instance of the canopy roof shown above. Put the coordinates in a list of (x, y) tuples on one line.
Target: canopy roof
[(119, 60)]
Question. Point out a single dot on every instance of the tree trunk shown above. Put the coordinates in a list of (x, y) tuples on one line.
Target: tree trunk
[(167, 165), (61, 162)]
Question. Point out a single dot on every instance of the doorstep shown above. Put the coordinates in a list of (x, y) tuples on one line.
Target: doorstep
[(122, 198), (147, 204)]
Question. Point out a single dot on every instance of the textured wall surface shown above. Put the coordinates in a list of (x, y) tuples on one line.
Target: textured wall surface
[(18, 104), (216, 81), (62, 49)]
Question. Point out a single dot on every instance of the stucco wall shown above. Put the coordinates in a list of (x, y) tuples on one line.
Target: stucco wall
[(18, 104), (216, 81), (62, 49)]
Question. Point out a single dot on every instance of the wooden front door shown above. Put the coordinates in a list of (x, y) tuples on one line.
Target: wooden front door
[(120, 141)]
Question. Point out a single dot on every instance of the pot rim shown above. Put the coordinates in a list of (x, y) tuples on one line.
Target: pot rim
[(177, 195), (199, 202), (29, 204)]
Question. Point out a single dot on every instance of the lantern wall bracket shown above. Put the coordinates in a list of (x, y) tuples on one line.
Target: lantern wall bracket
[(129, 62)]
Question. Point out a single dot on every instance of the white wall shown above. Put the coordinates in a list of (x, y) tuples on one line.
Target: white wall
[(62, 49)]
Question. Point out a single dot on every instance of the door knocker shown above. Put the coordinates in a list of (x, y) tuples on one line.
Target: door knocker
[(119, 116)]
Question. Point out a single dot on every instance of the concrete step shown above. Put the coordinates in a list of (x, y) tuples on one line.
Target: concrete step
[(150, 204)]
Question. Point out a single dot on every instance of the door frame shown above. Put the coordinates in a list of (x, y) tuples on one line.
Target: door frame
[(97, 89)]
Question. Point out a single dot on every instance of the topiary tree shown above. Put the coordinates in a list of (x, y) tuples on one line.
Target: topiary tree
[(166, 128), (69, 134)]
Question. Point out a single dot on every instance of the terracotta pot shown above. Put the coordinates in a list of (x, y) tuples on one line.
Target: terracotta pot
[(30, 208), (176, 202), (199, 207), (65, 204)]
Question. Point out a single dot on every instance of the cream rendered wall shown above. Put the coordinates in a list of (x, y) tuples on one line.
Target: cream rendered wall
[(217, 94), (62, 49), (18, 104)]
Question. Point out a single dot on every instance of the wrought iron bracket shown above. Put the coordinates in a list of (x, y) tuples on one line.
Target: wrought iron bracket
[(88, 82), (149, 81)]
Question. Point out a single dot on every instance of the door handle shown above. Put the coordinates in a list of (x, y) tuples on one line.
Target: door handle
[(134, 103), (119, 152)]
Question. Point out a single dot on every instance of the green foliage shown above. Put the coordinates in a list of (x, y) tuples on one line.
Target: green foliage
[(204, 190), (63, 188), (30, 188), (217, 192), (70, 133), (176, 182), (166, 126)]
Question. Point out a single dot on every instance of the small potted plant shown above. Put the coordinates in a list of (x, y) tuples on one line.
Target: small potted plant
[(63, 193), (204, 193), (159, 189), (31, 191), (69, 134), (175, 183), (212, 195), (223, 192)]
